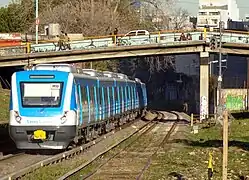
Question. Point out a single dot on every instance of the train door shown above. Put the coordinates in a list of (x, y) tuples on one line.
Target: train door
[(96, 103), (80, 106), (122, 99), (129, 97), (88, 104), (103, 103), (118, 104), (109, 102), (132, 98), (77, 104), (85, 110), (92, 105), (126, 99), (113, 100)]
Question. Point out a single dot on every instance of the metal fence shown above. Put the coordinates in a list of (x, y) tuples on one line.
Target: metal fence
[(110, 41)]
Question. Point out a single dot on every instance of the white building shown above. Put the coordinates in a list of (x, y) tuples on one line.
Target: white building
[(211, 12), (247, 17)]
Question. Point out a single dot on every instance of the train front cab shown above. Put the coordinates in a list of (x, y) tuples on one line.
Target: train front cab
[(142, 95), (42, 110)]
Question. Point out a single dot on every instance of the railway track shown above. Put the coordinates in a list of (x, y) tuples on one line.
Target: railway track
[(150, 125), (56, 158), (75, 174), (165, 139)]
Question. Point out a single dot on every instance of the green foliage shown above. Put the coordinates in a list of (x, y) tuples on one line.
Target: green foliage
[(16, 17), (9, 21), (4, 105), (19, 16), (105, 65)]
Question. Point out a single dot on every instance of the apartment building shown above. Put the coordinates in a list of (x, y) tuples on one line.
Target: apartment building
[(211, 12)]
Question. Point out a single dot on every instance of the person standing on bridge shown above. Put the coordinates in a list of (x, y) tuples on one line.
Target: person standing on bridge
[(115, 35), (182, 37), (61, 41), (189, 37), (67, 42)]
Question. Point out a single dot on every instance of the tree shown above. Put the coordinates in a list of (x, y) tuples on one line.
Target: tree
[(9, 19), (178, 18)]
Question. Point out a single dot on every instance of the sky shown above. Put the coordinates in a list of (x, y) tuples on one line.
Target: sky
[(190, 5)]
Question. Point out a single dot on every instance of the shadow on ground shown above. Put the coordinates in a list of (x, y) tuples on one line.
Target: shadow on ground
[(240, 115), (213, 143)]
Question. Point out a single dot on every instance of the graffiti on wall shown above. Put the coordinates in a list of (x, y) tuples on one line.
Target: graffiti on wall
[(234, 99), (204, 108)]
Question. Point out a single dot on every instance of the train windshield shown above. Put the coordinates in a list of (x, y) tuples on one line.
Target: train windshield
[(41, 94)]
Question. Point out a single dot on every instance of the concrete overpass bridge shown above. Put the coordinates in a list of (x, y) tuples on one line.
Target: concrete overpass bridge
[(235, 43)]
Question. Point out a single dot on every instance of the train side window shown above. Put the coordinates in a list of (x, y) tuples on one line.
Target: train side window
[(114, 97), (125, 94), (122, 94), (106, 96), (91, 95), (101, 95), (129, 93), (84, 95), (117, 91), (109, 92), (98, 96), (115, 94)]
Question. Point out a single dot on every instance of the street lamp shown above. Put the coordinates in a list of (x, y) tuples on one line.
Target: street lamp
[(36, 21), (214, 62)]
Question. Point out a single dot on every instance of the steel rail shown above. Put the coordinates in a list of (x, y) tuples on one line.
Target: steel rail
[(165, 139), (62, 156)]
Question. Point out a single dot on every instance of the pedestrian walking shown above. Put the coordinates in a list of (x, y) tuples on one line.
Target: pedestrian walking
[(67, 41)]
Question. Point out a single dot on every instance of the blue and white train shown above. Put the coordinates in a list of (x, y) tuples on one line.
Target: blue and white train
[(54, 105)]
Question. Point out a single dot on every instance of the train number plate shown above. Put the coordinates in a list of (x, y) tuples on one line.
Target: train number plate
[(40, 134)]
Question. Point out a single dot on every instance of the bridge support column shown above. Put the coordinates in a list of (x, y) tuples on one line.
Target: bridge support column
[(204, 85)]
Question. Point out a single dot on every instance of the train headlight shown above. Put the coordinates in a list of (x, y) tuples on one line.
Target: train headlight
[(64, 117), (17, 117), (63, 120)]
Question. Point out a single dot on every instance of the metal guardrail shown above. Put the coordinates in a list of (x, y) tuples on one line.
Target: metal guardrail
[(108, 41)]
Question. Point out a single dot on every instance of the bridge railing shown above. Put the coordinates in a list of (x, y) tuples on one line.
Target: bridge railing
[(162, 37), (8, 51)]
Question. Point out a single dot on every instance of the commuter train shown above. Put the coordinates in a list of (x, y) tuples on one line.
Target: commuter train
[(53, 106)]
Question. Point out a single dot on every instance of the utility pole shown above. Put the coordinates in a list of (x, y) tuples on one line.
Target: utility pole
[(247, 84), (225, 146), (36, 21), (220, 70)]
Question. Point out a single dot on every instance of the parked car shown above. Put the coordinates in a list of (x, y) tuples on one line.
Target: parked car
[(135, 37), (137, 33)]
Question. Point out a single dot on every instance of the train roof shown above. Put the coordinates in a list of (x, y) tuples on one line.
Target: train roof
[(88, 72)]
